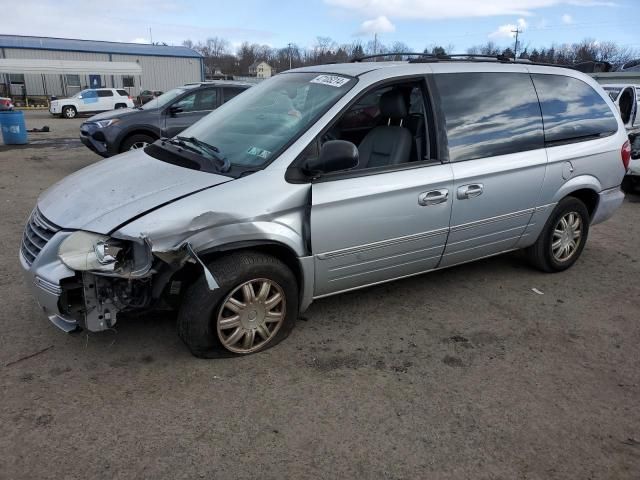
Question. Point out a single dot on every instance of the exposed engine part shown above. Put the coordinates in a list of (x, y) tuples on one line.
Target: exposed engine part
[(106, 297)]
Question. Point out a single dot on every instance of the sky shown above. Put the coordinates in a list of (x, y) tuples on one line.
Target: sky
[(418, 23)]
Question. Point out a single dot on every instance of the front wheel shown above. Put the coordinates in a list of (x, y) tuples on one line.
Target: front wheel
[(69, 112), (563, 238), (254, 309), (134, 142)]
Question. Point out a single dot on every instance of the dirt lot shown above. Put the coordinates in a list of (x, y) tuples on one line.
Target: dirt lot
[(464, 373)]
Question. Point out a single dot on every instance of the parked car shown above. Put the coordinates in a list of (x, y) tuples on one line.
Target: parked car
[(6, 104), (110, 133), (91, 100), (626, 97), (147, 95), (631, 181), (266, 204)]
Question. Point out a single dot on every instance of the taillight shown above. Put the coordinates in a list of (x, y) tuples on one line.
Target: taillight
[(130, 97), (625, 153)]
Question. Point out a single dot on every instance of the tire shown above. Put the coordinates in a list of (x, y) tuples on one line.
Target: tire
[(120, 105), (543, 255), (136, 141), (209, 328), (69, 112)]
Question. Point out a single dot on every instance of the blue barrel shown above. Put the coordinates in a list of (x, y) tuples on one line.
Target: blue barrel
[(14, 130)]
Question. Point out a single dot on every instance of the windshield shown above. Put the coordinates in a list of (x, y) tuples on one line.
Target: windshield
[(164, 99), (250, 130)]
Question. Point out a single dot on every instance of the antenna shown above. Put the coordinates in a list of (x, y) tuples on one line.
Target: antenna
[(150, 36)]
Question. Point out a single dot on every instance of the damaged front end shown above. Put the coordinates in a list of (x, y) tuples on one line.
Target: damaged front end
[(115, 276), (111, 276)]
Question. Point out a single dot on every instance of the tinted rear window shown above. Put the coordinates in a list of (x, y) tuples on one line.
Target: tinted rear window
[(123, 93), (489, 114), (572, 110), (230, 92), (105, 93)]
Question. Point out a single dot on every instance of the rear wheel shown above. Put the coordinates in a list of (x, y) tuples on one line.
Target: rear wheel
[(137, 141), (69, 112), (254, 309), (120, 105), (563, 237)]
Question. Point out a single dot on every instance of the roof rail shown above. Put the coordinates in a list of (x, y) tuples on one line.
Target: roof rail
[(367, 57), (460, 57)]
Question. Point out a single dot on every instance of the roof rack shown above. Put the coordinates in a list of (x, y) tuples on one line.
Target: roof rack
[(460, 57)]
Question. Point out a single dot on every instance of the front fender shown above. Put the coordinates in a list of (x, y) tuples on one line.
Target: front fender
[(266, 232)]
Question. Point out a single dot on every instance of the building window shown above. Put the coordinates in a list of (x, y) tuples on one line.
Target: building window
[(16, 78), (128, 81), (72, 80)]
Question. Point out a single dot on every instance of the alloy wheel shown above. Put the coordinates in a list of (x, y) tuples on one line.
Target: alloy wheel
[(567, 236), (251, 315), (138, 145)]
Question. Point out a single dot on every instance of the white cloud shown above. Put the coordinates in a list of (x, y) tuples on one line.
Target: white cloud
[(377, 25), (438, 9), (508, 30), (566, 18)]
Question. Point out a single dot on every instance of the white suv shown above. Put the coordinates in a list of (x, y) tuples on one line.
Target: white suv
[(92, 100)]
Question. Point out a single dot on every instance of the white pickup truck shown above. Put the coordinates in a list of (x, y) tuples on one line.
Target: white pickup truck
[(91, 100)]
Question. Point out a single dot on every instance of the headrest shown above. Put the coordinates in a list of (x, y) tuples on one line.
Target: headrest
[(393, 105)]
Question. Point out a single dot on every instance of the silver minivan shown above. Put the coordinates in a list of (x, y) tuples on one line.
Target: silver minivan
[(326, 179)]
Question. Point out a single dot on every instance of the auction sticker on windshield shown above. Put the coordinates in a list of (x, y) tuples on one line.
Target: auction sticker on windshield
[(331, 80)]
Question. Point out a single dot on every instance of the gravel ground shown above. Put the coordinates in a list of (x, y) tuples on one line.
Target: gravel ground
[(463, 373)]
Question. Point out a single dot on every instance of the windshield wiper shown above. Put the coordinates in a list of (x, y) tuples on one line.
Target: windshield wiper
[(196, 146), (211, 150)]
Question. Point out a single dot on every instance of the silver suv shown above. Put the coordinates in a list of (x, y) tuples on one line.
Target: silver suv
[(326, 179)]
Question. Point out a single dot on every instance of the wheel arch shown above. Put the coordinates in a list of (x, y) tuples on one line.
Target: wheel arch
[(585, 188), (301, 267), (136, 131)]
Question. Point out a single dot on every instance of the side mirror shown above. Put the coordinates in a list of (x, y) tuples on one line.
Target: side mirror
[(79, 96), (335, 155), (174, 109)]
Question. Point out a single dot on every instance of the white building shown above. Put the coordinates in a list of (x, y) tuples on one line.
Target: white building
[(261, 69)]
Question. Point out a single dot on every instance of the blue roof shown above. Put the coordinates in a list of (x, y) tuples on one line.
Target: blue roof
[(94, 46)]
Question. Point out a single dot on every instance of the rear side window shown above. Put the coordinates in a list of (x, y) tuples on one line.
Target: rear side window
[(572, 110), (230, 92), (489, 114), (105, 93), (123, 93)]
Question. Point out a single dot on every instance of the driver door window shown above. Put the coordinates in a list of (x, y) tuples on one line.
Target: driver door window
[(389, 125), (187, 104)]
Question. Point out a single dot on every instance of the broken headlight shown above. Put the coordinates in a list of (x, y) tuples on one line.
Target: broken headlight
[(85, 251)]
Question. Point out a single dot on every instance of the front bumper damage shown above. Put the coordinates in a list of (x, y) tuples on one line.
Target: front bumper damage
[(79, 300)]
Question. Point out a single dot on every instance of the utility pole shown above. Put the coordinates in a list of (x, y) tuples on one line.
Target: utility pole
[(515, 46), (150, 36), (375, 45), (289, 45)]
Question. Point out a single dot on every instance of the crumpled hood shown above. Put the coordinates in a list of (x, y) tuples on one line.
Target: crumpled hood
[(107, 194)]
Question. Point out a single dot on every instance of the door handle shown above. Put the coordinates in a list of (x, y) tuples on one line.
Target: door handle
[(470, 191), (433, 197)]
